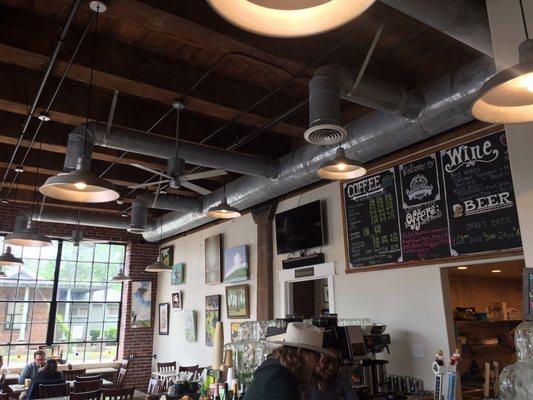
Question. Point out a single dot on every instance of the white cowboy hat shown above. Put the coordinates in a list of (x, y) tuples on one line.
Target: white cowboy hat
[(305, 336)]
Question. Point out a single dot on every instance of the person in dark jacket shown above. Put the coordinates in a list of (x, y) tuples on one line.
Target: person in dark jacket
[(287, 373), (330, 383), (47, 375)]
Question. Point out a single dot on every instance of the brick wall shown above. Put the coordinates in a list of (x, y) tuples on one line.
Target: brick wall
[(139, 253), (303, 294)]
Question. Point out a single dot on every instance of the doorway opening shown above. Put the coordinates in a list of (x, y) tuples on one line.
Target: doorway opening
[(310, 298)]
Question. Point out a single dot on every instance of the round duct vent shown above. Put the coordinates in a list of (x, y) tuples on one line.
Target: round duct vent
[(136, 230), (325, 134)]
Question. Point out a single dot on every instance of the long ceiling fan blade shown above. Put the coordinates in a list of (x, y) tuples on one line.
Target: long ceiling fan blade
[(203, 175), (153, 171), (196, 188), (143, 185)]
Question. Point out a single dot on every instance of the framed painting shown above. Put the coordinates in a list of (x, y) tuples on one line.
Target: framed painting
[(212, 316), (189, 323), (213, 259), (176, 301), (167, 255), (527, 308), (236, 264), (141, 304), (234, 331), (178, 274), (164, 316), (237, 303)]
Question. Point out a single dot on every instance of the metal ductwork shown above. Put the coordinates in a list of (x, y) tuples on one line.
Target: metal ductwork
[(139, 216), (73, 217), (334, 82), (172, 203), (162, 147), (447, 102), (463, 20)]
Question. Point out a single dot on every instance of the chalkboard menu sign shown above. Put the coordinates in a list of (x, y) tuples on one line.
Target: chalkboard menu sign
[(423, 220), (456, 202), (372, 220), (480, 196)]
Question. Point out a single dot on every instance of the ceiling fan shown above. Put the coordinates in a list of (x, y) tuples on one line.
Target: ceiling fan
[(173, 178), (78, 241)]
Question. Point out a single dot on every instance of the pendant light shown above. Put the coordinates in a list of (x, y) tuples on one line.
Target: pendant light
[(81, 185), (341, 168), (223, 210), (9, 259), (507, 97), (3, 274), (159, 266), (294, 18), (121, 277)]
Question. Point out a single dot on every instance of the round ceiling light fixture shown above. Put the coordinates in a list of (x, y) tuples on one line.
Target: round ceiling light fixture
[(3, 274), (28, 238), (341, 168), (9, 259), (44, 116), (158, 266), (507, 97), (121, 277), (289, 18), (223, 210)]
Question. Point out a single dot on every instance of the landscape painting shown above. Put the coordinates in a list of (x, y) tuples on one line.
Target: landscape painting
[(189, 322), (236, 264), (141, 304), (167, 255), (178, 274), (237, 301), (212, 316), (213, 259)]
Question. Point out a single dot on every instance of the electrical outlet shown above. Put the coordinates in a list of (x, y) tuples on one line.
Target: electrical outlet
[(418, 350)]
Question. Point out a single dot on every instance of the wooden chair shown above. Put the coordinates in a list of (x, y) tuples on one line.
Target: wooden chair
[(87, 386), (118, 394), (121, 378), (85, 378), (53, 390), (155, 389), (4, 396), (125, 363), (72, 374), (192, 368), (94, 395), (168, 366)]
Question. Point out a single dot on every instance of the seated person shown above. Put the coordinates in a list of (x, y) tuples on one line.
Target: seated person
[(329, 383), (31, 369), (46, 375)]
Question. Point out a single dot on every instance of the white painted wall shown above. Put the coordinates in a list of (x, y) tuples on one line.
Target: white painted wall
[(190, 250)]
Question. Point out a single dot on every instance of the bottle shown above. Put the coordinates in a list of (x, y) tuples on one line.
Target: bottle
[(235, 395), (243, 391), (216, 394), (226, 391)]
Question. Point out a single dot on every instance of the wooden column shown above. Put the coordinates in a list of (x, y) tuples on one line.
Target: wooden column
[(263, 216)]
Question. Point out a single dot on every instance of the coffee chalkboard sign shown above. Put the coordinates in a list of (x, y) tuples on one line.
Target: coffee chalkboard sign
[(480, 196), (371, 217), (423, 220)]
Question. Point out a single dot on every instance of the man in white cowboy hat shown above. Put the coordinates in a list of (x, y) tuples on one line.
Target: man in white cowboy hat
[(289, 369)]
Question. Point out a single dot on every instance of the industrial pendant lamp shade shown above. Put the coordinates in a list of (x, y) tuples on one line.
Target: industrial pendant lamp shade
[(289, 18), (120, 277), (224, 210), (158, 266), (9, 259), (28, 238), (507, 97), (79, 186), (341, 168), (2, 274)]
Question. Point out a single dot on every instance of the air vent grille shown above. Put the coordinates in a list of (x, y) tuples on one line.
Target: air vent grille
[(325, 134)]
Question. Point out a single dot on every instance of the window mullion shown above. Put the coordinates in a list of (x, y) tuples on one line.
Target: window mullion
[(53, 302)]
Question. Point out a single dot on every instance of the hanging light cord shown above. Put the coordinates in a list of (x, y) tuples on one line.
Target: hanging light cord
[(35, 191), (524, 18)]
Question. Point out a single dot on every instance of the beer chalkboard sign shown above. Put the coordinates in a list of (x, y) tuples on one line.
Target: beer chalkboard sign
[(423, 220), (372, 220), (480, 196), (456, 202)]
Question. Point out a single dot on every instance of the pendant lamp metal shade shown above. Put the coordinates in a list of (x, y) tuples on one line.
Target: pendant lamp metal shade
[(121, 277), (2, 274), (28, 238), (289, 18), (79, 186), (507, 97), (341, 168), (224, 211), (9, 259), (158, 266)]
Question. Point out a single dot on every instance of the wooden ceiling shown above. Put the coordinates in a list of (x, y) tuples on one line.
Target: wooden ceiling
[(156, 51)]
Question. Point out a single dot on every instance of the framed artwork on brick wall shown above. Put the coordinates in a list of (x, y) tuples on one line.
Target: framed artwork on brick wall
[(141, 304)]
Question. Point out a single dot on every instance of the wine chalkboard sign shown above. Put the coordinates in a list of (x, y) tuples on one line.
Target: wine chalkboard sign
[(372, 220), (423, 220), (480, 196), (456, 202)]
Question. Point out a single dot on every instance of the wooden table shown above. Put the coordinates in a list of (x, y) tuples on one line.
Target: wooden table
[(16, 389)]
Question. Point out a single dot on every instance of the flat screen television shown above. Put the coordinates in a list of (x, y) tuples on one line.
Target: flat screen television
[(299, 228)]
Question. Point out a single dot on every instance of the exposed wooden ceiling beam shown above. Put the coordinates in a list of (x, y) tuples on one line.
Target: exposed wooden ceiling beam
[(79, 73), (71, 207)]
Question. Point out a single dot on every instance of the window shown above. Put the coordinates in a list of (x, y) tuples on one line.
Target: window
[(63, 295)]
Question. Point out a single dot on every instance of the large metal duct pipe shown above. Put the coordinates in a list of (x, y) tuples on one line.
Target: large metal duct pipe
[(447, 102), (464, 20), (139, 216), (162, 147), (332, 82), (71, 218), (172, 203)]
